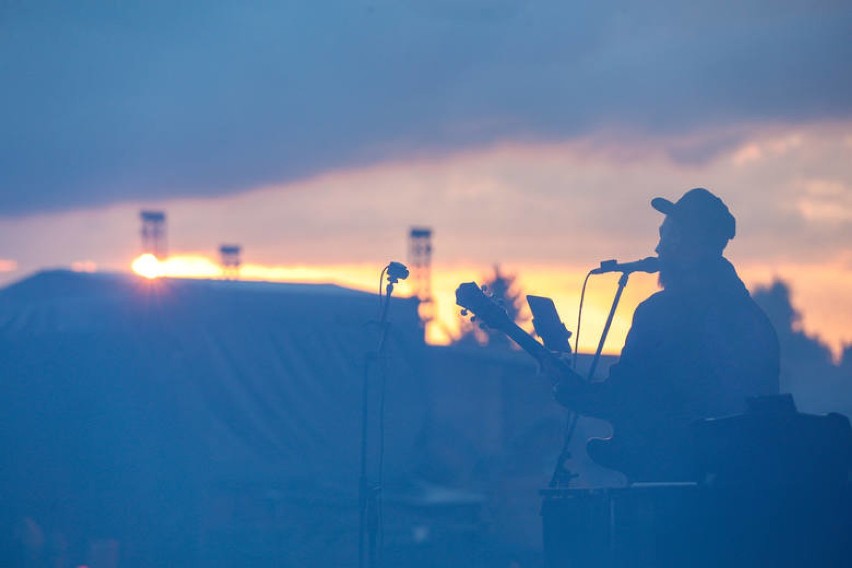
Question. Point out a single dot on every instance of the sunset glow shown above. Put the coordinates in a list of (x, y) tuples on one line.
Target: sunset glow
[(562, 284), (820, 289), (533, 208)]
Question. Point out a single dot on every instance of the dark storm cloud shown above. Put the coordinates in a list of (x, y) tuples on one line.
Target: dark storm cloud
[(107, 102)]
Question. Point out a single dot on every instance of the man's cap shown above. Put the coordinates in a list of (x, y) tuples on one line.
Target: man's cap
[(701, 212)]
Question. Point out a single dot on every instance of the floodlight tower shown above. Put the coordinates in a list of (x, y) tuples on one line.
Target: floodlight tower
[(420, 263), (154, 233), (229, 258)]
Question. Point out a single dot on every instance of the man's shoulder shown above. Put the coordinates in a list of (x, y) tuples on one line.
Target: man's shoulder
[(658, 308), (657, 301)]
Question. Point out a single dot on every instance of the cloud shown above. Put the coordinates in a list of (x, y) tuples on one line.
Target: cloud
[(826, 201), (116, 102), (572, 203)]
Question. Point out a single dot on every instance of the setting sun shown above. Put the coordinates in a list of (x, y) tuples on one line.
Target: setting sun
[(147, 266)]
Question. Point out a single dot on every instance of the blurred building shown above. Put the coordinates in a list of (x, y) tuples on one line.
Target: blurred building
[(217, 423)]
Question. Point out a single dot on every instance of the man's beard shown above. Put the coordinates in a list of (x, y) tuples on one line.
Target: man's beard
[(671, 274), (690, 272)]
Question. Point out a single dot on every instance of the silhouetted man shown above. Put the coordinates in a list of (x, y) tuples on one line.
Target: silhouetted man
[(695, 350)]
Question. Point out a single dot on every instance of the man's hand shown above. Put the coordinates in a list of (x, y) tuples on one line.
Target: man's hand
[(567, 384)]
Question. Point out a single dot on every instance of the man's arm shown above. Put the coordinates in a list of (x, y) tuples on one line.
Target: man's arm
[(609, 398)]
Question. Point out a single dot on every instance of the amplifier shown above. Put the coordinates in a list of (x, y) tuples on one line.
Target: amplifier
[(691, 525)]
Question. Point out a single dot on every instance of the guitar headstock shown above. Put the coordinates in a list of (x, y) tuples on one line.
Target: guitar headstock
[(471, 297)]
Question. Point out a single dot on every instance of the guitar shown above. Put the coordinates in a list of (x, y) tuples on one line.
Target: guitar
[(474, 300), (625, 454)]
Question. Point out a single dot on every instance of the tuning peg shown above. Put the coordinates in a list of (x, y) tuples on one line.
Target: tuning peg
[(484, 287), (473, 319), (464, 312)]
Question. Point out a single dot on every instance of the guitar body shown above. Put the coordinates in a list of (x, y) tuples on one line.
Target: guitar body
[(644, 455)]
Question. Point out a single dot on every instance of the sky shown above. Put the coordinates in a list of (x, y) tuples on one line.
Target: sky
[(529, 134)]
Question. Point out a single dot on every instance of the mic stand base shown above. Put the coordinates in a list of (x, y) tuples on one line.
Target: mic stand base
[(563, 476)]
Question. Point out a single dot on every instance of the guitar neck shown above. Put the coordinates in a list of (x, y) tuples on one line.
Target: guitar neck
[(471, 297), (541, 353), (526, 342)]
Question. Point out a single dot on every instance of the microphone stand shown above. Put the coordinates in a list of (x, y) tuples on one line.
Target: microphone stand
[(562, 476), (622, 282), (369, 494)]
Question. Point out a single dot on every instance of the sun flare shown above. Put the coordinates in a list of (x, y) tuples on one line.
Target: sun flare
[(147, 266)]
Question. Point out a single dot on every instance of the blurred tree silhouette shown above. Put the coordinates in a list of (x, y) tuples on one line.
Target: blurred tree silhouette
[(807, 368), (505, 292), (796, 346)]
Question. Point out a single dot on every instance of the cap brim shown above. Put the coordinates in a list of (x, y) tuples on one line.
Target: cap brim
[(662, 205)]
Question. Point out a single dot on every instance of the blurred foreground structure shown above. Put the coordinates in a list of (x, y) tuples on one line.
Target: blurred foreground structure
[(215, 423)]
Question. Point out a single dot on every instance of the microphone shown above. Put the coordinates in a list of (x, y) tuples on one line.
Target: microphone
[(650, 264), (397, 271)]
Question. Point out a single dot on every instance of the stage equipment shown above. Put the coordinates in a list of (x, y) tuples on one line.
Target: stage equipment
[(229, 259), (369, 492), (650, 264), (772, 488), (420, 261), (154, 233)]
